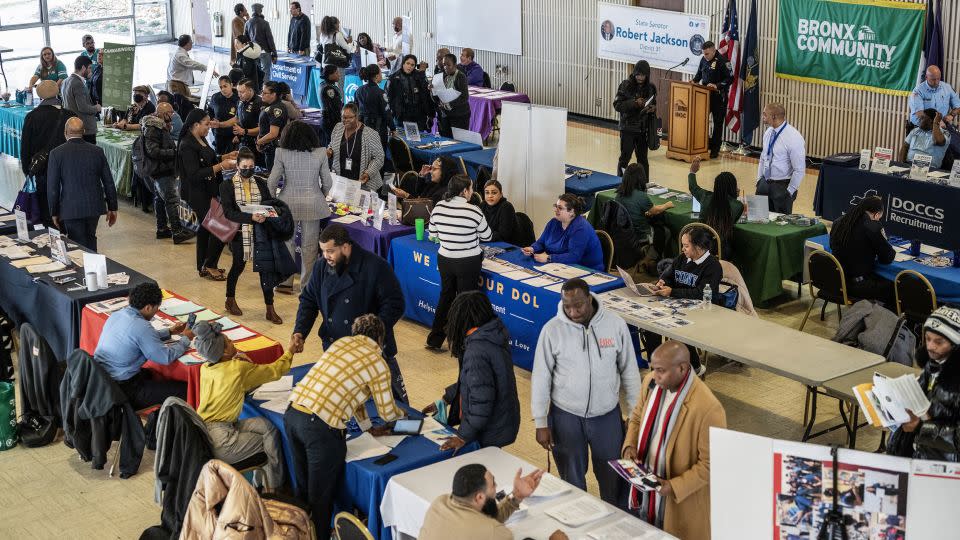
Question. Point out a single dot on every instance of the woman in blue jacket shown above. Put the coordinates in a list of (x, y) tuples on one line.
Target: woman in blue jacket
[(484, 399), (568, 238)]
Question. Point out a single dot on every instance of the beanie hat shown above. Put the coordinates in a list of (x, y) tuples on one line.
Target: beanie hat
[(209, 341), (946, 322), (47, 89)]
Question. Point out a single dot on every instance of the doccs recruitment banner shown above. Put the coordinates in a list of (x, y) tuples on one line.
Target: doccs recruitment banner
[(117, 75), (663, 38), (870, 45)]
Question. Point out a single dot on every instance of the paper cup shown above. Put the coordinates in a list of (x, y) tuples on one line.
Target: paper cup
[(91, 279)]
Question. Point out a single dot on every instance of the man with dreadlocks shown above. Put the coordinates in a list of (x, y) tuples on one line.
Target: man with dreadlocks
[(858, 242), (484, 399), (669, 433)]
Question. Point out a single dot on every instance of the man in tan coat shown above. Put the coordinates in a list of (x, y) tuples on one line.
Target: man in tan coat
[(236, 28), (668, 432)]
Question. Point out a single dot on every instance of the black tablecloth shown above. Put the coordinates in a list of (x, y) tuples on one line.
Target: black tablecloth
[(49, 307), (913, 209), (10, 226)]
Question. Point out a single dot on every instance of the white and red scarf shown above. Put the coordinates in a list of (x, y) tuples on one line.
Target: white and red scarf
[(650, 503)]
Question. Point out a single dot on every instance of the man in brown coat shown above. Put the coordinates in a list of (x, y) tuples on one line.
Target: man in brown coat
[(236, 28), (668, 432)]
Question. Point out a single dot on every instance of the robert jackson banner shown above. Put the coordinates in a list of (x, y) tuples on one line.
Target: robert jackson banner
[(870, 45), (663, 38)]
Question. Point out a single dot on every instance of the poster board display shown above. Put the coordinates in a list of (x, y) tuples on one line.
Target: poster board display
[(118, 62)]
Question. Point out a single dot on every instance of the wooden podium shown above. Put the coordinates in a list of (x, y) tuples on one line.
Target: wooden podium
[(689, 120)]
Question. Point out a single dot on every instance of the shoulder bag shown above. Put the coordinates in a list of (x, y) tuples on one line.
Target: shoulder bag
[(217, 223), (336, 55), (414, 209)]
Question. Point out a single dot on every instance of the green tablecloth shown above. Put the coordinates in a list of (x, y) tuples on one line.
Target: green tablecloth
[(765, 253), (118, 146), (11, 126)]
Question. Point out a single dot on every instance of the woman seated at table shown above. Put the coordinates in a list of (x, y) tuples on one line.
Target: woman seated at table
[(483, 400), (50, 69), (432, 182), (355, 150), (500, 214), (409, 95), (720, 208), (225, 378), (858, 242), (632, 194), (568, 238), (141, 107), (687, 277)]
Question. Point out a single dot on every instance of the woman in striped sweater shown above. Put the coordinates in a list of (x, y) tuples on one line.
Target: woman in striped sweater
[(461, 227)]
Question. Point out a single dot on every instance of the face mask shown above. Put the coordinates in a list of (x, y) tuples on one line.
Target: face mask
[(138, 98), (246, 172)]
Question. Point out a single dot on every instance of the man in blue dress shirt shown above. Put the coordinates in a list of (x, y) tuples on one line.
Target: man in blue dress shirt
[(932, 93), (128, 340), (928, 138)]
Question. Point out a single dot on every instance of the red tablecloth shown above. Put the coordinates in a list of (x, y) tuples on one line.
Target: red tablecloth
[(91, 326)]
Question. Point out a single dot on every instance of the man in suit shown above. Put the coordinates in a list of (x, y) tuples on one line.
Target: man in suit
[(76, 97), (668, 432), (42, 132), (80, 187)]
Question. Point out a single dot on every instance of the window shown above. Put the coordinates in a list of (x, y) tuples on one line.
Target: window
[(69, 37), (80, 10), (14, 12)]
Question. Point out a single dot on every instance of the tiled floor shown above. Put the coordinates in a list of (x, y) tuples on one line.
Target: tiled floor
[(49, 493)]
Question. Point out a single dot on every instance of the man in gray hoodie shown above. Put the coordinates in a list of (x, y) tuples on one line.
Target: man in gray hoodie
[(584, 358)]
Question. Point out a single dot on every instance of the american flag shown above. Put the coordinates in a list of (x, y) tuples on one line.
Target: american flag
[(729, 47)]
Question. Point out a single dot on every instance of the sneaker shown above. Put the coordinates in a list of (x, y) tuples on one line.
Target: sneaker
[(182, 236), (164, 233), (701, 371)]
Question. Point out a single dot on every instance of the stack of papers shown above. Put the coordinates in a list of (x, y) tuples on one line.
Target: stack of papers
[(635, 473), (551, 486), (30, 261), (391, 440), (204, 315), (226, 323), (886, 401), (46, 267), (109, 306), (254, 344), (579, 511), (238, 333), (364, 447), (182, 308), (598, 279), (16, 252), (625, 529), (435, 431), (279, 388), (543, 280), (192, 357), (564, 271), (159, 323)]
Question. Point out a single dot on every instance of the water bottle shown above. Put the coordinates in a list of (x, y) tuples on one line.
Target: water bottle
[(707, 297)]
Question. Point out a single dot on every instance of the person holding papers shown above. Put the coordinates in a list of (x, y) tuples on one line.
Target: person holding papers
[(636, 101), (225, 378), (409, 95), (720, 208), (927, 138), (669, 433), (128, 340), (857, 240), (350, 372), (471, 510), (936, 435), (460, 227), (453, 113), (568, 238), (244, 189), (355, 150), (584, 359)]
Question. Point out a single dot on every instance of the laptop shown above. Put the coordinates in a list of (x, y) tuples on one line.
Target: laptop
[(641, 289), (695, 210)]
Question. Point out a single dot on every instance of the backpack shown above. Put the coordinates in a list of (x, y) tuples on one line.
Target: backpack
[(139, 157)]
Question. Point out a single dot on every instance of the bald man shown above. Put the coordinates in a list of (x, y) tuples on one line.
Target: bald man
[(669, 432), (396, 50), (80, 187), (933, 93), (782, 160)]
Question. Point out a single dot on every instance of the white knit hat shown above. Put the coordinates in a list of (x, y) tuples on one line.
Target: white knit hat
[(946, 322)]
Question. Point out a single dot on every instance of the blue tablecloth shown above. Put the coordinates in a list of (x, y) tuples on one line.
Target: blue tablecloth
[(363, 482), (350, 85), (585, 187), (427, 155), (523, 308), (945, 281), (295, 70), (913, 209), (11, 127)]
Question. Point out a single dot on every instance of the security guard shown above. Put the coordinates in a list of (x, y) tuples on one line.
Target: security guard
[(714, 72), (932, 93), (272, 120), (221, 107), (331, 100), (246, 122)]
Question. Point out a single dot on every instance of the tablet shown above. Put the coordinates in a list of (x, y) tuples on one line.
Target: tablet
[(407, 427)]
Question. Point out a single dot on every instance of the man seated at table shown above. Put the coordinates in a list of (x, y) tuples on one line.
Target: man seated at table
[(471, 511), (675, 413), (934, 435), (225, 379), (336, 388), (471, 69), (928, 138), (128, 340)]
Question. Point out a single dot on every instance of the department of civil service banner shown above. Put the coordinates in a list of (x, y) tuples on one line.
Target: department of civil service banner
[(662, 38), (870, 45), (117, 75)]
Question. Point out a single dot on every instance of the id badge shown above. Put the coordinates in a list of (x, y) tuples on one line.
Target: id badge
[(349, 163)]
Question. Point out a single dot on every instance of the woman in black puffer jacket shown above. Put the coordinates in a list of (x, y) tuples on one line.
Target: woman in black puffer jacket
[(936, 436), (484, 399)]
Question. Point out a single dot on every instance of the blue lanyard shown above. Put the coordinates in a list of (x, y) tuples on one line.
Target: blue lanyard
[(773, 141)]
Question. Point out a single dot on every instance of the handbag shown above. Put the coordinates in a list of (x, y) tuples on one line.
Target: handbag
[(414, 209), (188, 218), (37, 430), (28, 201), (335, 55), (217, 223), (727, 296)]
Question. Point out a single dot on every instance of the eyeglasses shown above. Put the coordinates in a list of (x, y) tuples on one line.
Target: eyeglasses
[(561, 207)]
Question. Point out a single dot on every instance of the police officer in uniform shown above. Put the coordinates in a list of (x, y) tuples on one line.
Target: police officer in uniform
[(331, 100), (932, 93), (714, 72), (221, 107), (245, 124), (273, 118)]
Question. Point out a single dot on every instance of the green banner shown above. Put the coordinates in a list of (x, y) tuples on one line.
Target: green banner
[(870, 45), (118, 75)]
